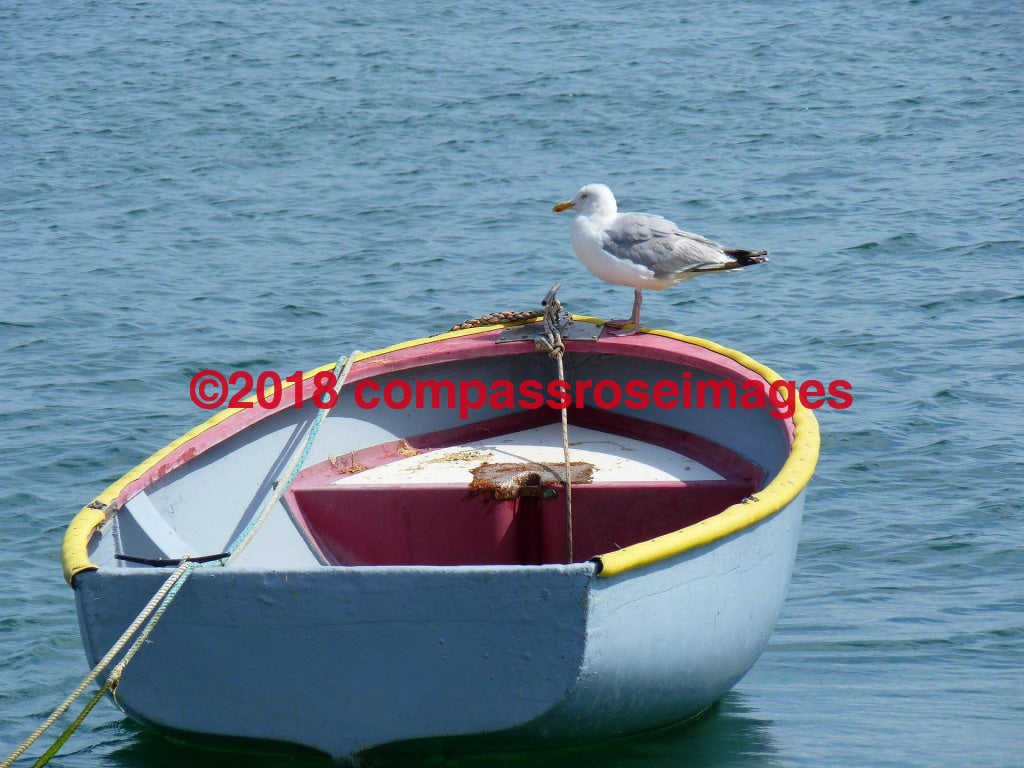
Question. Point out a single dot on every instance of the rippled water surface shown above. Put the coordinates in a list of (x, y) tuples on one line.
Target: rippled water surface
[(238, 185)]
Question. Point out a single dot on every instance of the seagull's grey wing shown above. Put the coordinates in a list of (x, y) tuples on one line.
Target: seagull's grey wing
[(660, 245)]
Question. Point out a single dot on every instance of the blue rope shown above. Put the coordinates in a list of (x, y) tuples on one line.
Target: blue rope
[(295, 467)]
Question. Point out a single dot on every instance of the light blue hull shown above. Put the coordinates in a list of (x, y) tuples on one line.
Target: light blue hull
[(344, 659)]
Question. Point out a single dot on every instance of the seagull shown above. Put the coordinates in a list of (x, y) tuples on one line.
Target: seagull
[(642, 250)]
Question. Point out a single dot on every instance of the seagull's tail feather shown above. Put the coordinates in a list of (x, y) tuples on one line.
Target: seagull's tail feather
[(746, 258), (741, 259)]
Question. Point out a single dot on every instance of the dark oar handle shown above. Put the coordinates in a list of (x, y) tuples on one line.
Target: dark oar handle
[(162, 562)]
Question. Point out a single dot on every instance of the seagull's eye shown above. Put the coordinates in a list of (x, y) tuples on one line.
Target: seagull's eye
[(584, 196)]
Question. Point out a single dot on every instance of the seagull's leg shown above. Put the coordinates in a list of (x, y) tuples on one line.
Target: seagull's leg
[(633, 322)]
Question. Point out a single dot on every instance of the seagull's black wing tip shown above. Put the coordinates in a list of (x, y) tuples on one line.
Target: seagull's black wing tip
[(746, 258)]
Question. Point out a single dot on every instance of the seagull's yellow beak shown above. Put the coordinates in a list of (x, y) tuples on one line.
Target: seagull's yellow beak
[(563, 206)]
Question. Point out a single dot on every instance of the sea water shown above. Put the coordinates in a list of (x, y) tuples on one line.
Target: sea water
[(264, 186)]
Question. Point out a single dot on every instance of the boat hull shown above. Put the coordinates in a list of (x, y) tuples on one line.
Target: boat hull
[(347, 650), (390, 654), (530, 656)]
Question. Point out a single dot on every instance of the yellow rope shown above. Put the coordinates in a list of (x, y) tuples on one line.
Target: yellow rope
[(103, 663), (48, 754), (163, 599)]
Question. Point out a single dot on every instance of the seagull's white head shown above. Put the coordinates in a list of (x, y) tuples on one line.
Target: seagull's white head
[(593, 198)]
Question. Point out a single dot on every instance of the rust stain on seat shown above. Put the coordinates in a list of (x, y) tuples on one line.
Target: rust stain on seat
[(513, 480)]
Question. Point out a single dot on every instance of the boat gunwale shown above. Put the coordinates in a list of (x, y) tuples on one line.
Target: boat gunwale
[(785, 486)]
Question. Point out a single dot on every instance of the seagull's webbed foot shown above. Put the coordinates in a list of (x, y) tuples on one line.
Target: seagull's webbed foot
[(633, 322)]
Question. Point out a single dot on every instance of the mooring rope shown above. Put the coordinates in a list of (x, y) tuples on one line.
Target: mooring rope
[(159, 603), (169, 590), (102, 664), (551, 340), (55, 748)]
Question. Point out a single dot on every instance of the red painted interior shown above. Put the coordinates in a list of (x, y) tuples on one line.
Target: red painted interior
[(355, 524), (448, 525)]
